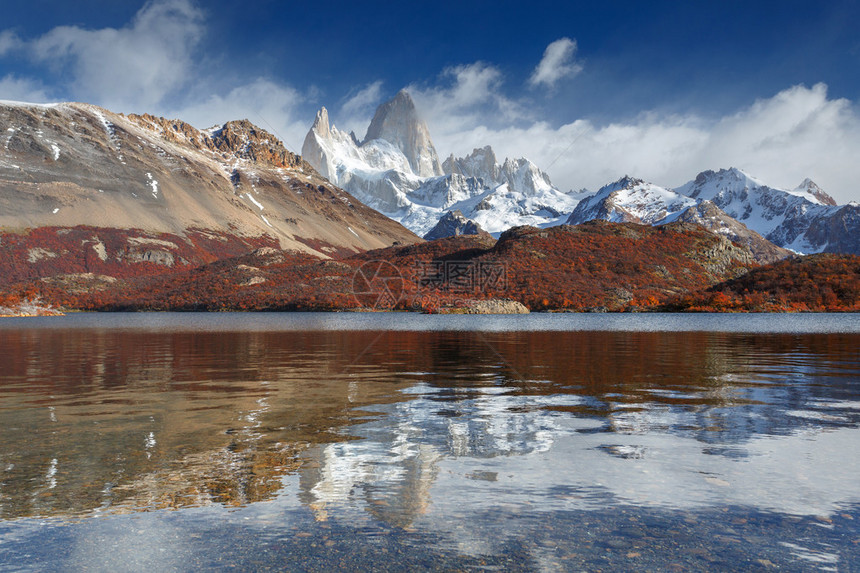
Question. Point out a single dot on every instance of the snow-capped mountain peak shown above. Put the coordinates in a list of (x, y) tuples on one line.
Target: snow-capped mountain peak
[(321, 124), (804, 219), (811, 191), (480, 164), (630, 200), (725, 183), (626, 182), (397, 121), (396, 170)]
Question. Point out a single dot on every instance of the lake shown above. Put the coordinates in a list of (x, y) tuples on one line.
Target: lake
[(393, 441)]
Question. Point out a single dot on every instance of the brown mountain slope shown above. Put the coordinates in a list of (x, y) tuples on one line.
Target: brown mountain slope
[(76, 165)]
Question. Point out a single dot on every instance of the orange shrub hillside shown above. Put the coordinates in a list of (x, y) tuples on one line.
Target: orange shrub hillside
[(824, 282)]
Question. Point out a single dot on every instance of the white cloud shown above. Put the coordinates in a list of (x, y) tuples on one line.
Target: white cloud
[(470, 86), (23, 89), (357, 110), (149, 66), (8, 41), (797, 133), (134, 67), (364, 99), (557, 63), (469, 94)]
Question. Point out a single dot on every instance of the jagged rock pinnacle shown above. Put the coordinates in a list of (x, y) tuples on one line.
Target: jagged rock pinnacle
[(321, 123), (398, 122)]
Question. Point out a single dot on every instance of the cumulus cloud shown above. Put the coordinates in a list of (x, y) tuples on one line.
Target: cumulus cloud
[(557, 63), (800, 132), (149, 65), (136, 66)]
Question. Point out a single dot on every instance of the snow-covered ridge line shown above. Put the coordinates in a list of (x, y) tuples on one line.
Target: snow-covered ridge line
[(804, 219)]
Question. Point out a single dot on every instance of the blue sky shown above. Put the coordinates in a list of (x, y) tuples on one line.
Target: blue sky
[(589, 91)]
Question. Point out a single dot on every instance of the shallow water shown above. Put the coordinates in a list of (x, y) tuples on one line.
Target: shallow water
[(402, 442)]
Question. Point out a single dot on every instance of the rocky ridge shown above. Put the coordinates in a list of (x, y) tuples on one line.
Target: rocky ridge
[(453, 224)]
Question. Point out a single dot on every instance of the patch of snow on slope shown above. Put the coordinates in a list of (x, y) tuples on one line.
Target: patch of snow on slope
[(110, 130), (153, 184), (254, 201)]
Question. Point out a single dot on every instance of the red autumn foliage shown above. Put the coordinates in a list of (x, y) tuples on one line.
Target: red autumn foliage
[(820, 283), (593, 266), (616, 266)]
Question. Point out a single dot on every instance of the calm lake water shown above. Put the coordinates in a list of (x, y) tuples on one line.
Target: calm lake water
[(178, 442)]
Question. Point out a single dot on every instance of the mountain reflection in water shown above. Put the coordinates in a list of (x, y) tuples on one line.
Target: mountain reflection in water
[(428, 431)]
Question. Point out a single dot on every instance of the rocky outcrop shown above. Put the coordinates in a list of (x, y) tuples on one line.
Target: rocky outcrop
[(496, 306), (715, 220), (240, 139), (720, 259), (453, 224)]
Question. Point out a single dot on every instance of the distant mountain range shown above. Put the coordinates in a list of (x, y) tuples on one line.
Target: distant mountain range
[(395, 169), (732, 202)]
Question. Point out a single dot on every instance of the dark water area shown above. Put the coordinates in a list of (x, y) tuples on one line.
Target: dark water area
[(175, 442)]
